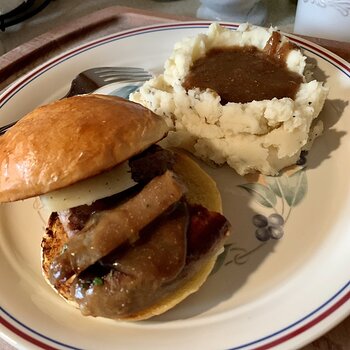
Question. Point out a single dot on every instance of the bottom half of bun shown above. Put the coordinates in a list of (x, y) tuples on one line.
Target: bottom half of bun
[(202, 190)]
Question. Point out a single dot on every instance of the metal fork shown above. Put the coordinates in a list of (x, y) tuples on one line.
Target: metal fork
[(94, 78)]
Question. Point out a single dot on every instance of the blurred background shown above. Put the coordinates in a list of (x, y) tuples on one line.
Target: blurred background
[(53, 13)]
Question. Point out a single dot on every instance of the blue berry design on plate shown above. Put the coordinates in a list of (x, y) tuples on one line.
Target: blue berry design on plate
[(126, 90), (268, 227), (279, 194)]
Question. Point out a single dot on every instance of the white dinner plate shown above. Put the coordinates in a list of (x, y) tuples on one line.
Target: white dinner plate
[(278, 294)]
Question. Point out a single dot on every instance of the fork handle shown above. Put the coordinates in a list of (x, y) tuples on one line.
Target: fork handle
[(4, 128), (85, 86)]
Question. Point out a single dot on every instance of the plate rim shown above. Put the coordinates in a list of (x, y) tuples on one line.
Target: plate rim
[(6, 94), (323, 53)]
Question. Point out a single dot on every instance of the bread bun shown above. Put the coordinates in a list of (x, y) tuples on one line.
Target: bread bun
[(73, 139), (201, 190)]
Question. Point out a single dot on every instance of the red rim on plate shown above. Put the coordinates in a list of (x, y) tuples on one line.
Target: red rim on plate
[(335, 302)]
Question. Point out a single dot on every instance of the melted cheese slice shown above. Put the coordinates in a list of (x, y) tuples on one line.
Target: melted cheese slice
[(87, 191)]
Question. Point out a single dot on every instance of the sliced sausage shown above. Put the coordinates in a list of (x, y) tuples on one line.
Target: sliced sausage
[(106, 230)]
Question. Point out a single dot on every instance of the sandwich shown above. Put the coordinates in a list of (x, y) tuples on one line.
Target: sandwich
[(133, 228)]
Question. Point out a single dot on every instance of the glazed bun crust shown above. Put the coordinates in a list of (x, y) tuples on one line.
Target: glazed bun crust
[(72, 139), (201, 190)]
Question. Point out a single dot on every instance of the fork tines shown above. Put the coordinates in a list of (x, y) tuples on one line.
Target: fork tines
[(119, 69), (120, 73)]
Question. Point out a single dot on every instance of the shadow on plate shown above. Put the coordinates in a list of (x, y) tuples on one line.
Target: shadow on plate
[(239, 263), (235, 265), (330, 115), (317, 72), (330, 140)]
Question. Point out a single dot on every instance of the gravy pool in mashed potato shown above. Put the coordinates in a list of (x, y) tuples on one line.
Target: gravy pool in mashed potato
[(238, 97)]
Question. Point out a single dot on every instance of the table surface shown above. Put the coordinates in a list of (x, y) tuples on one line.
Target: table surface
[(281, 13)]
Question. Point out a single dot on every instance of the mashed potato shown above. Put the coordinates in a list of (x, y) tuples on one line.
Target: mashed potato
[(263, 136)]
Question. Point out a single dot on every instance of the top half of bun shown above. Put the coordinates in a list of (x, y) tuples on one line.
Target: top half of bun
[(72, 139)]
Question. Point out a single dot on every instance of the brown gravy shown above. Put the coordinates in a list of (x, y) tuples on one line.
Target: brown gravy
[(244, 74)]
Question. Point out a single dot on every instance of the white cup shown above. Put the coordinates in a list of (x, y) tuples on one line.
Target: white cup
[(328, 19)]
